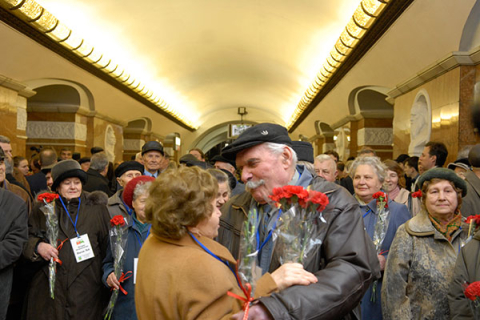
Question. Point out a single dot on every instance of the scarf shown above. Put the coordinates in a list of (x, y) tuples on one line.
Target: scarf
[(394, 193), (449, 228)]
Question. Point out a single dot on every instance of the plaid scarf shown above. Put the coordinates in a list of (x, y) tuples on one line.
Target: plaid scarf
[(449, 228)]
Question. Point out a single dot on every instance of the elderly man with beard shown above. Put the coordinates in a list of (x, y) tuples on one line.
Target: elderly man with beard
[(345, 263)]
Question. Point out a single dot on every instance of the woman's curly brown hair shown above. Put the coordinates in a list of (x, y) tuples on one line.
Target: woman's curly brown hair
[(180, 198)]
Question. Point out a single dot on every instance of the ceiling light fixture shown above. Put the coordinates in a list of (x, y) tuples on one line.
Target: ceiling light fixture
[(361, 21)]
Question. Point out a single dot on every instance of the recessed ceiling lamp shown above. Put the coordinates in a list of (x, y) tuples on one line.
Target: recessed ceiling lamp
[(45, 22), (361, 21)]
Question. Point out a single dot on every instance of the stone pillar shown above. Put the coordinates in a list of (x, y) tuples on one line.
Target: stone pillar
[(376, 134), (57, 130), (133, 140), (13, 113)]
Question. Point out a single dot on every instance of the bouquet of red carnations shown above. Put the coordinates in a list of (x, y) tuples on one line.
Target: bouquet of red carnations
[(380, 230), (48, 209), (299, 221), (118, 243)]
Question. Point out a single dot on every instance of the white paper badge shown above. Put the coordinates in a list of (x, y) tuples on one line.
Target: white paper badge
[(135, 263), (82, 248)]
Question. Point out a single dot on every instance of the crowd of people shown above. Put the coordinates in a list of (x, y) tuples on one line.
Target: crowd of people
[(394, 241)]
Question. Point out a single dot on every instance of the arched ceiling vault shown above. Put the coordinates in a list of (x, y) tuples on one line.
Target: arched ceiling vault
[(163, 60)]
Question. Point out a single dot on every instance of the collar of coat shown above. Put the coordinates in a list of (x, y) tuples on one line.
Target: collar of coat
[(420, 225), (215, 247)]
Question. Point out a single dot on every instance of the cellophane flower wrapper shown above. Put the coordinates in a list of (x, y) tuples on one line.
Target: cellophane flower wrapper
[(473, 222), (380, 231), (118, 244), (298, 223), (52, 235), (248, 269)]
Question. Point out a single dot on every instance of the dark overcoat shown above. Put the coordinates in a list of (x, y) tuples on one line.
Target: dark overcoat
[(79, 292)]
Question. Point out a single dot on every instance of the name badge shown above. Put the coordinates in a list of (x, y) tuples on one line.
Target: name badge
[(82, 248), (135, 263)]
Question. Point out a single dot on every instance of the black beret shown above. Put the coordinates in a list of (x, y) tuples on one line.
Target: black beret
[(304, 150), (127, 166), (96, 150), (258, 134), (221, 158), (84, 159), (444, 174), (474, 156), (152, 146)]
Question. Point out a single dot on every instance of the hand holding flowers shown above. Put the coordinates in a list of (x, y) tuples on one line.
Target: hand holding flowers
[(48, 209)]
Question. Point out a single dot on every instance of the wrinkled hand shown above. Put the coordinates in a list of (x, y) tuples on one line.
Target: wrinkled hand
[(382, 261), (112, 281), (256, 312), (47, 251), (291, 274)]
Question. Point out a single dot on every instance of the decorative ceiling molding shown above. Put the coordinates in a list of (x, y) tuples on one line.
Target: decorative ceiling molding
[(450, 62), (369, 22), (33, 20)]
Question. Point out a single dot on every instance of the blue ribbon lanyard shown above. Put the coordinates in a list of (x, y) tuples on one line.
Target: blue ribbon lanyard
[(138, 238), (129, 210), (260, 246), (368, 211), (68, 214), (214, 255)]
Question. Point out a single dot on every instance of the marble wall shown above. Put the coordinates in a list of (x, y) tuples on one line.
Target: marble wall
[(444, 99)]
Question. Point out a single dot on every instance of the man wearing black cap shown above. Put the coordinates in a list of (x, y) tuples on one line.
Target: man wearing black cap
[(471, 202), (345, 264), (222, 163), (125, 172), (152, 154)]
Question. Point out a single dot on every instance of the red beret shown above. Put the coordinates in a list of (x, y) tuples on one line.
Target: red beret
[(130, 187)]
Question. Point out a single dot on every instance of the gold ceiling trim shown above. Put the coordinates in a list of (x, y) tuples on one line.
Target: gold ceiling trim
[(43, 21), (363, 18)]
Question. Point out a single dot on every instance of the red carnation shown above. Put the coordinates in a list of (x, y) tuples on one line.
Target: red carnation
[(117, 220), (47, 197), (381, 197), (474, 218), (417, 194), (472, 291), (318, 198)]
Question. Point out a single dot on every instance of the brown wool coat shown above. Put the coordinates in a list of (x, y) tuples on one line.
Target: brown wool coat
[(419, 270), (179, 280), (79, 291)]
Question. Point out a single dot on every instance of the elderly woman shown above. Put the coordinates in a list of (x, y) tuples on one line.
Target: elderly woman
[(83, 220), (394, 185), (223, 193), (422, 256), (135, 196), (368, 175), (182, 272)]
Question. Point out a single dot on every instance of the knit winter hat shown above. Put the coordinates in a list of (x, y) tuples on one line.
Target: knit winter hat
[(130, 188), (445, 174), (67, 169)]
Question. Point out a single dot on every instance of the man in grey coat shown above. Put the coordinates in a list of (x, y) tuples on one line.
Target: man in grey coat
[(13, 236), (345, 263)]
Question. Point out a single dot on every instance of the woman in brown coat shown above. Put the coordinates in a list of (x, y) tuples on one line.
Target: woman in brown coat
[(182, 272), (79, 293)]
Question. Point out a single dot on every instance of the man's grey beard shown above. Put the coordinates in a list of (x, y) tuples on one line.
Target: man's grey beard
[(251, 185)]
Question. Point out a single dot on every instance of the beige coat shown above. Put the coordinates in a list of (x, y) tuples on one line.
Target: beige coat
[(402, 198), (180, 280), (419, 270)]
